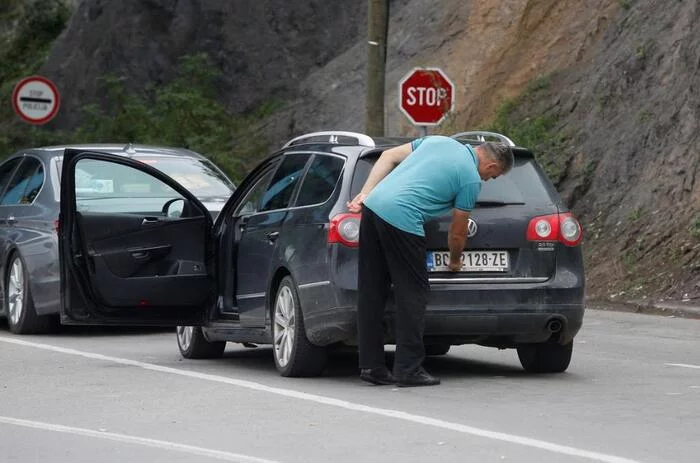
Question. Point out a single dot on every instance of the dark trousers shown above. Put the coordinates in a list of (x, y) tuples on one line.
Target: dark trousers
[(390, 255)]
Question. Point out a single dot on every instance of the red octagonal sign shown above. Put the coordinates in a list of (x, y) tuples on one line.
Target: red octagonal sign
[(427, 96)]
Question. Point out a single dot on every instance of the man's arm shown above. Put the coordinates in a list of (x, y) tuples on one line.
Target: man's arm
[(457, 237), (384, 165)]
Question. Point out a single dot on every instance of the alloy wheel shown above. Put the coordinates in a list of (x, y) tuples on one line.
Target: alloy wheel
[(15, 292), (284, 326), (184, 336)]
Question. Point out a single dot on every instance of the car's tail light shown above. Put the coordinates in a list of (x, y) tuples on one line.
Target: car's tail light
[(345, 230), (56, 225), (555, 227)]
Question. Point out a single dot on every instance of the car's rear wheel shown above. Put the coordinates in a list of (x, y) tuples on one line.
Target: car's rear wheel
[(21, 314), (293, 353), (437, 349), (193, 344), (546, 357)]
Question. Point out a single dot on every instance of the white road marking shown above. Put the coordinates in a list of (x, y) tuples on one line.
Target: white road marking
[(683, 365), (159, 444), (330, 401)]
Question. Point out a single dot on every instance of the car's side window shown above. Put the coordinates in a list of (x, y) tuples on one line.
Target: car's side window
[(6, 171), (25, 184), (320, 180), (253, 198), (282, 185), (109, 187)]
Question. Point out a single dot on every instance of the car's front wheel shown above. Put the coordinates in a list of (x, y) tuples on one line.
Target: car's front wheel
[(293, 353), (21, 314), (194, 345), (546, 357)]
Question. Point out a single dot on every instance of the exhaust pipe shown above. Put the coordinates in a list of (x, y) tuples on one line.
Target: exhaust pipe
[(554, 325)]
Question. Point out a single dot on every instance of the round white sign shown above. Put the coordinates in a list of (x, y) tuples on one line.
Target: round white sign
[(36, 100)]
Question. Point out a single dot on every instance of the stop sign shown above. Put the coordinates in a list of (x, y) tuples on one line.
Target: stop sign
[(427, 95)]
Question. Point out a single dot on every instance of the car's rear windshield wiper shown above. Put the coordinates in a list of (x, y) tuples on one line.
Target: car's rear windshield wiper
[(498, 203)]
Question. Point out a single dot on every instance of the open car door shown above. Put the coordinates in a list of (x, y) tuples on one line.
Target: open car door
[(134, 245)]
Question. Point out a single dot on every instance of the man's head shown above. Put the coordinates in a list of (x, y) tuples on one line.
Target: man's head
[(494, 159)]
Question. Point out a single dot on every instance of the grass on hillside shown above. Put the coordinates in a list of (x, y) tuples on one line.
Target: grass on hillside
[(537, 133)]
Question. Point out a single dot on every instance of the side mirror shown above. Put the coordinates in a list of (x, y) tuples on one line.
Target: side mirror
[(174, 208)]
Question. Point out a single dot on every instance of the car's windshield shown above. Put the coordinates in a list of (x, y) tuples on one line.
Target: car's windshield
[(199, 176)]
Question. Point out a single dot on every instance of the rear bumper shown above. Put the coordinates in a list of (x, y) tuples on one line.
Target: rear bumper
[(495, 312), (497, 315), (502, 326)]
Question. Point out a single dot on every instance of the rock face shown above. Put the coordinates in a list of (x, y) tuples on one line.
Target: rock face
[(263, 47), (623, 89)]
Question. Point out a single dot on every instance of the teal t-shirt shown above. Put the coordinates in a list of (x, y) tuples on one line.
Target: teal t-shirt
[(440, 174)]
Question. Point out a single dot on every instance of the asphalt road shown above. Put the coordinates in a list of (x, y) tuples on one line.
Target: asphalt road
[(632, 393)]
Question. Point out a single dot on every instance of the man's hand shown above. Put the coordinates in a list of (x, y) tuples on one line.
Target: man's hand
[(387, 161), (355, 206), (457, 238), (455, 266)]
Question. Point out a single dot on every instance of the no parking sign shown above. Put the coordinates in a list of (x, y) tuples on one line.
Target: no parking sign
[(36, 100)]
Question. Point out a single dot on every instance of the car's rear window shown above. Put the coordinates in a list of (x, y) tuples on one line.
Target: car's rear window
[(522, 185)]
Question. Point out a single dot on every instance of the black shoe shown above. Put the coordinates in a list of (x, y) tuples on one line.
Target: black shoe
[(377, 375), (419, 378)]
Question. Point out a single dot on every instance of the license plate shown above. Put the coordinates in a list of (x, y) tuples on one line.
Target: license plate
[(472, 261)]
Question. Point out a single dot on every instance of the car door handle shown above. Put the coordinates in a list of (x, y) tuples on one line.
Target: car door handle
[(11, 220), (151, 252), (150, 220), (272, 236)]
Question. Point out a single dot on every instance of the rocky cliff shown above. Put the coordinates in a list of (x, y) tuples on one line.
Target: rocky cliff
[(616, 99)]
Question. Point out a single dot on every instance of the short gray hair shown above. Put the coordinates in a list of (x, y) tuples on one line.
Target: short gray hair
[(500, 153)]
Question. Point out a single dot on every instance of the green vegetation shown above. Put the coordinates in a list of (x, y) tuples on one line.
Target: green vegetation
[(24, 46), (644, 50), (185, 112), (27, 31), (645, 116), (538, 133), (537, 84), (695, 227), (625, 4), (629, 260), (634, 215)]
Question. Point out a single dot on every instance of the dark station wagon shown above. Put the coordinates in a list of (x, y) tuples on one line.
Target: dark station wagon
[(279, 264)]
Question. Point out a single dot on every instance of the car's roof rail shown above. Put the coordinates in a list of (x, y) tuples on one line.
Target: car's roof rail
[(480, 135), (335, 137)]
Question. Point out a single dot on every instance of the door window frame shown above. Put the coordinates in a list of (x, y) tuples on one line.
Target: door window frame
[(295, 192), (69, 167), (306, 171)]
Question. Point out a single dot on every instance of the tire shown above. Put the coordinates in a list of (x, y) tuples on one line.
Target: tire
[(437, 349), (193, 344), (294, 355), (547, 357), (21, 314)]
